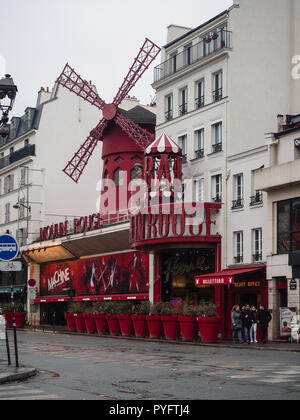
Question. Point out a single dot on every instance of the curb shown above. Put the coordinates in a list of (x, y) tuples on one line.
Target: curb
[(17, 374)]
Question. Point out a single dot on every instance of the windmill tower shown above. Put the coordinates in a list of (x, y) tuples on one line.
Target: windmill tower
[(124, 141)]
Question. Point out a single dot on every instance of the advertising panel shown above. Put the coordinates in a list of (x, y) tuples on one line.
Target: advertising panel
[(123, 273)]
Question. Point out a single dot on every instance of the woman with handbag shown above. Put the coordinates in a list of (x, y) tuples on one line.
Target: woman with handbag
[(236, 323)]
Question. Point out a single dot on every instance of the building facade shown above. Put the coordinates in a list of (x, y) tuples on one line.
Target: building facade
[(280, 180)]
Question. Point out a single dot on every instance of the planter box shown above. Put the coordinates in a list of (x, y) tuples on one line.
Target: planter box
[(101, 324), (80, 323), (154, 326), (126, 325), (171, 327), (208, 328), (90, 324), (8, 318), (188, 327), (20, 319), (140, 326), (113, 324), (70, 322)]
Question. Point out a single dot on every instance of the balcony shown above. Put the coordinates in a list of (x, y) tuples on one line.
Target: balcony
[(199, 153), (199, 102), (217, 148), (256, 199), (238, 259), (217, 95), (206, 47), (169, 115), (183, 109), (17, 155), (257, 257), (237, 204), (184, 158), (217, 199)]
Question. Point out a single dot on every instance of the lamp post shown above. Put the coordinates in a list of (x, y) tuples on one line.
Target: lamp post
[(8, 91)]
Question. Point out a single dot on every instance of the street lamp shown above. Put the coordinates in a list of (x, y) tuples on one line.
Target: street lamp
[(18, 206), (8, 91)]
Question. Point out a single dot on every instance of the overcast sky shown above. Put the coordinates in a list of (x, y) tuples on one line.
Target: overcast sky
[(99, 38)]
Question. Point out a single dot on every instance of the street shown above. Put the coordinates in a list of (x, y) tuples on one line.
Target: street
[(73, 367)]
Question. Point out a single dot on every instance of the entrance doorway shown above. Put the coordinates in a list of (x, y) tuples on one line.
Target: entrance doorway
[(243, 298), (53, 313)]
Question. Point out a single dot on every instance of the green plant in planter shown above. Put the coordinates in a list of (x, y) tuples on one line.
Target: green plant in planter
[(88, 309), (189, 310), (99, 308), (76, 308), (6, 307), (166, 308), (124, 308), (207, 310), (142, 308), (110, 308), (19, 307)]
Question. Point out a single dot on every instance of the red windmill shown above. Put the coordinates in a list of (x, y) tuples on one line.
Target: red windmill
[(110, 112)]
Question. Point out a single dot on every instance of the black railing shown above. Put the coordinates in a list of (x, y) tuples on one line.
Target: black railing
[(217, 94), (256, 199), (217, 199), (217, 147), (183, 109), (238, 259), (199, 102), (169, 115), (17, 155), (184, 158), (237, 204), (207, 46), (257, 257), (199, 153)]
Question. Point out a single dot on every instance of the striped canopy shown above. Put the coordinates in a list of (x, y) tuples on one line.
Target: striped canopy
[(164, 144)]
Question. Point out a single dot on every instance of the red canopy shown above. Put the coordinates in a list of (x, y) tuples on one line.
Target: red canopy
[(221, 277)]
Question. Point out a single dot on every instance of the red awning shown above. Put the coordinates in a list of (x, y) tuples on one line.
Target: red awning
[(51, 299), (222, 277)]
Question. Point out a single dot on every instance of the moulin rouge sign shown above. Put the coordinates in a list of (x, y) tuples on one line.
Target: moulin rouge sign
[(80, 225)]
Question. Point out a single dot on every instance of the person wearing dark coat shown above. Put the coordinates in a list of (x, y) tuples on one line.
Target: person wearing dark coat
[(236, 323), (246, 317), (263, 319)]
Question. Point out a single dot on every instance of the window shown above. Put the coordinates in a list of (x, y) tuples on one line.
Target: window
[(217, 137), (238, 238), (238, 202), (199, 143), (183, 101), (198, 190), (23, 177), (27, 119), (288, 226), (257, 245), (7, 213), (26, 142), (119, 177), (188, 54), (218, 86), (8, 183), (173, 62), (217, 188), (169, 107), (183, 146), (257, 198), (22, 236), (21, 209), (199, 101), (11, 150)]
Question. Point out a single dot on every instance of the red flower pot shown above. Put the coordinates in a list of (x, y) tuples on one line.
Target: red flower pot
[(171, 326), (80, 323), (71, 322), (113, 324), (140, 325), (126, 325), (101, 324), (154, 326), (90, 324), (8, 318), (208, 328), (188, 327)]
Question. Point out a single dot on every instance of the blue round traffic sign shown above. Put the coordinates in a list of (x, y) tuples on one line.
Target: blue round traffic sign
[(9, 248)]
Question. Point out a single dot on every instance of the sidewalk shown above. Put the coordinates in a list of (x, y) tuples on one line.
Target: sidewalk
[(11, 373)]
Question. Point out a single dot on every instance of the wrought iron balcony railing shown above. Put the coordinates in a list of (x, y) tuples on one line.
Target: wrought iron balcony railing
[(169, 115), (17, 155), (217, 199), (184, 158), (208, 45), (217, 94), (257, 257), (199, 102), (238, 259), (217, 147), (183, 109), (237, 204), (256, 199), (199, 153)]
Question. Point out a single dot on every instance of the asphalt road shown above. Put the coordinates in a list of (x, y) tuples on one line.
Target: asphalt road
[(96, 368)]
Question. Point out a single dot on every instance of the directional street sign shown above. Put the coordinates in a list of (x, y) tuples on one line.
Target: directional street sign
[(8, 248)]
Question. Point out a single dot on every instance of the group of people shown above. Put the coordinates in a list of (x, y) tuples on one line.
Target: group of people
[(246, 320)]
